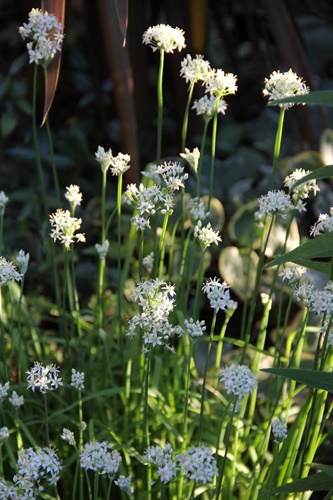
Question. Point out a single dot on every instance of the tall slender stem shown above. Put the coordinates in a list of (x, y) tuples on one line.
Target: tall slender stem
[(160, 107)]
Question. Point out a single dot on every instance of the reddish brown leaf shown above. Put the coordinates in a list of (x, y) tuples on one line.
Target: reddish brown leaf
[(56, 7), (122, 13)]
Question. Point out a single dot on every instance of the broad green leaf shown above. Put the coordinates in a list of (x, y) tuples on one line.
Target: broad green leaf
[(321, 97), (316, 482), (317, 248), (311, 378), (328, 469), (320, 173)]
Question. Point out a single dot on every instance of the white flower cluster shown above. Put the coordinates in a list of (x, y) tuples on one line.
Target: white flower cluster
[(102, 249), (198, 464), (196, 207), (323, 225), (99, 457), (148, 262), (8, 272), (162, 457), (303, 190), (4, 434), (280, 430), (35, 466), (219, 84), (206, 235), (278, 203), (68, 436), (22, 260), (43, 378), (3, 203), (218, 295), (4, 389), (46, 35), (124, 484), (64, 226), (150, 200), (283, 85), (164, 37), (16, 400), (192, 157), (117, 164), (194, 69), (293, 274), (155, 298), (194, 329), (77, 379), (206, 106), (238, 381), (73, 196)]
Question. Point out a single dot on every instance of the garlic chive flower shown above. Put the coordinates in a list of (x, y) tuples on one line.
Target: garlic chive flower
[(303, 190), (194, 69), (77, 379), (173, 175), (162, 458), (194, 329), (198, 464), (164, 37), (64, 226), (4, 434), (102, 249), (8, 272), (277, 203), (103, 157), (68, 436), (238, 381), (220, 84), (99, 457), (119, 164), (283, 85), (22, 260), (16, 400), (43, 378), (192, 157), (323, 225), (124, 484), (34, 466), (293, 274), (280, 431), (4, 389), (197, 209), (3, 203), (206, 106), (46, 35), (148, 262), (218, 295), (205, 235), (73, 196)]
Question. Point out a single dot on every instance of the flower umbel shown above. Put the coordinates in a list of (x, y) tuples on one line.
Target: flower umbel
[(22, 260), (162, 457), (44, 378), (99, 457), (77, 379), (280, 431), (206, 106), (46, 35), (218, 295), (192, 157), (73, 195), (198, 464), (164, 37), (195, 69), (8, 272), (238, 381), (219, 84), (206, 235), (283, 85), (64, 227), (323, 225)]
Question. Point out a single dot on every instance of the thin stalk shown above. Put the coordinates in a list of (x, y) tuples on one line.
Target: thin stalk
[(47, 433), (228, 315), (160, 107), (277, 147), (146, 438), (162, 246), (186, 114), (213, 151), (202, 152), (227, 439), (120, 284), (196, 311)]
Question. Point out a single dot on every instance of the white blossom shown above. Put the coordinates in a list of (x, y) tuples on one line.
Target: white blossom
[(206, 235), (192, 157), (279, 429), (8, 272), (238, 381), (283, 85), (206, 106), (194, 69), (43, 378), (220, 84), (64, 228), (77, 379), (22, 260), (198, 464), (73, 195), (3, 203), (99, 457), (164, 37)]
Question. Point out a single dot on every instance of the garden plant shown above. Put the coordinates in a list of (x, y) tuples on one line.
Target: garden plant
[(164, 382)]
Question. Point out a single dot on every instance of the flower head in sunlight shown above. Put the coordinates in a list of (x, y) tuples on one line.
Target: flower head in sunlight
[(64, 228), (283, 85), (238, 381), (8, 272), (220, 84), (323, 225), (164, 37), (77, 379), (22, 260), (194, 329), (35, 466), (162, 457), (99, 457), (43, 378), (206, 106), (192, 157), (198, 464), (46, 35), (119, 164), (277, 203), (218, 294), (104, 158), (194, 69), (68, 436), (206, 235), (303, 190), (73, 196)]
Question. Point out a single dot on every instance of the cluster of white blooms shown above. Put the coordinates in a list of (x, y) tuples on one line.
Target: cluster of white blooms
[(323, 225), (194, 329), (194, 69), (293, 274), (218, 295), (99, 457), (164, 37), (43, 378), (35, 466), (77, 379), (303, 190), (46, 35), (3, 203), (124, 484), (4, 434), (280, 430), (102, 249), (155, 298), (278, 203), (64, 226), (4, 389), (219, 84), (8, 272), (206, 235), (148, 262), (73, 196), (238, 381), (198, 464), (117, 164), (283, 85), (162, 457), (197, 209), (156, 198), (206, 106), (16, 400), (68, 436), (103, 157), (22, 261), (192, 157)]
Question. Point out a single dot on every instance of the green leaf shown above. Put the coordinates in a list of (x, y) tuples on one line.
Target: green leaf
[(328, 469), (316, 482), (320, 173), (311, 378), (317, 248), (321, 97)]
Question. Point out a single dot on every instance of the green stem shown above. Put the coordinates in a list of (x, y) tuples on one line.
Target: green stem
[(277, 147), (186, 114), (196, 312), (160, 107), (202, 153), (227, 442), (213, 151)]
